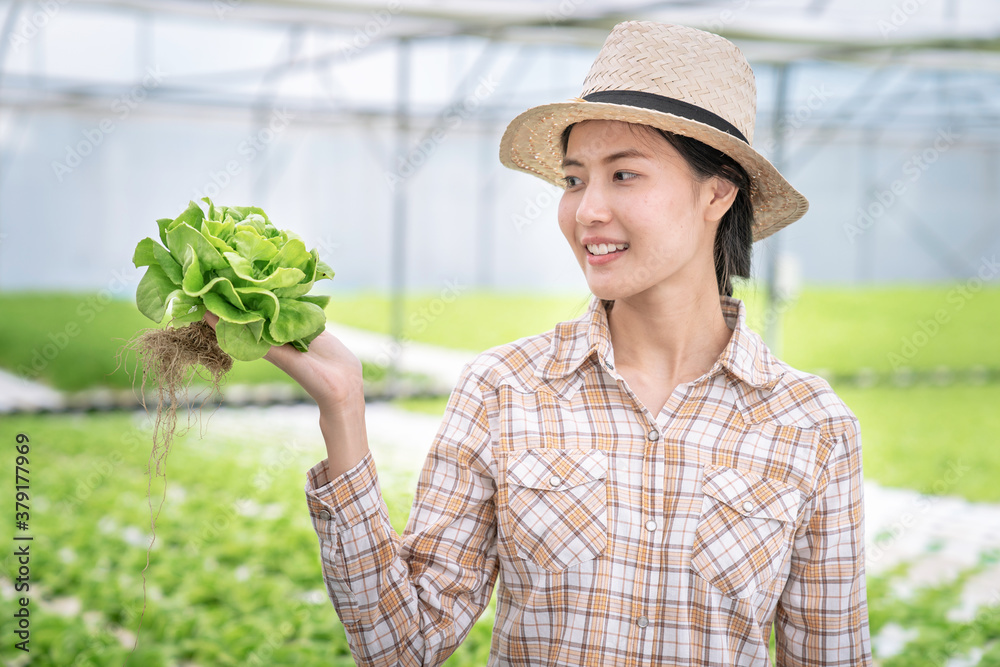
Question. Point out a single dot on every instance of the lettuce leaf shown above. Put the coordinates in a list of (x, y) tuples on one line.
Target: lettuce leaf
[(233, 262)]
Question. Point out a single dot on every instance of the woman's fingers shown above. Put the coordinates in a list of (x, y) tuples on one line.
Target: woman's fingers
[(329, 371), (281, 355)]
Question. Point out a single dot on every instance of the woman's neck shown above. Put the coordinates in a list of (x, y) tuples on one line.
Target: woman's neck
[(668, 336)]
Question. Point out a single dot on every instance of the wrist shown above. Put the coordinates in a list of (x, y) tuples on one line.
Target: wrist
[(345, 435), (341, 400), (342, 410), (345, 397)]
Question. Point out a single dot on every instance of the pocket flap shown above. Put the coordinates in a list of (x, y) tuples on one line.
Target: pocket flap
[(554, 469), (750, 494)]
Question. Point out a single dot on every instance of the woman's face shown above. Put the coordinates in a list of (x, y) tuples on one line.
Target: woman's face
[(634, 214)]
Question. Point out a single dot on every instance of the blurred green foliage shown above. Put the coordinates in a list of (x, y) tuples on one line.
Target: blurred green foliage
[(939, 636), (937, 440), (71, 341), (235, 569)]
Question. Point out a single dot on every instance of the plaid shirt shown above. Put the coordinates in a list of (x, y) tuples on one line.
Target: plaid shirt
[(618, 537)]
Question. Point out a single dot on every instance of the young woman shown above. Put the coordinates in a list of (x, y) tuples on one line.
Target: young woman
[(647, 484)]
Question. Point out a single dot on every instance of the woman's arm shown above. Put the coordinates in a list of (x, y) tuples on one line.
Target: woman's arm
[(409, 600), (412, 600), (822, 616), (332, 375)]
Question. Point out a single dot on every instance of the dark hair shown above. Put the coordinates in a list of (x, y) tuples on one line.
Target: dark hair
[(734, 237)]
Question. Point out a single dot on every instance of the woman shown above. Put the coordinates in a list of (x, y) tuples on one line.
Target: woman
[(647, 484)]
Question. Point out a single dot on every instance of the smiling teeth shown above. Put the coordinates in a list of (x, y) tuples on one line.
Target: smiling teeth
[(605, 248)]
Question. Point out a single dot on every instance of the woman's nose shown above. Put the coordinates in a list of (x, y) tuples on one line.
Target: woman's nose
[(594, 206)]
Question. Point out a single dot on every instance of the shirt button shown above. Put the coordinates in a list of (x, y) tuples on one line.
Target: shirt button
[(747, 506), (642, 621), (611, 366), (650, 525), (555, 480), (653, 435), (324, 515)]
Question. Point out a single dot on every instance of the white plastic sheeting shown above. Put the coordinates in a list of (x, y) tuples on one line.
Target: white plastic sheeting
[(113, 114)]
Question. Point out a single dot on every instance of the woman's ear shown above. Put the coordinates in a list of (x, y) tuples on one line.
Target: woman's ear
[(720, 195)]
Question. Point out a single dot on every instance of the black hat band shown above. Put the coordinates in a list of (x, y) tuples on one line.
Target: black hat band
[(654, 102)]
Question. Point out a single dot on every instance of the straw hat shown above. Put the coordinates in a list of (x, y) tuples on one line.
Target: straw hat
[(674, 78)]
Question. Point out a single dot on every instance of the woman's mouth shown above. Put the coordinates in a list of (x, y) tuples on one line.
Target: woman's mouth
[(599, 249), (599, 254)]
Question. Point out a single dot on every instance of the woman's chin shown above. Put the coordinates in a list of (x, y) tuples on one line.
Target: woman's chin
[(607, 292)]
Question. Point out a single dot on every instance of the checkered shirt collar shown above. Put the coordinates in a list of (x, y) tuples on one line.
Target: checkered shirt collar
[(745, 357)]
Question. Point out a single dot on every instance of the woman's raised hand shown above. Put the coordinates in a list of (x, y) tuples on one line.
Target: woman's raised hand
[(332, 375)]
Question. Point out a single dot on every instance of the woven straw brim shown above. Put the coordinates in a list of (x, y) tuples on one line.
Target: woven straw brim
[(532, 143)]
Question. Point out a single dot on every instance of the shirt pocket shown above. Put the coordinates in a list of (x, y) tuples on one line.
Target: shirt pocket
[(744, 531), (557, 506)]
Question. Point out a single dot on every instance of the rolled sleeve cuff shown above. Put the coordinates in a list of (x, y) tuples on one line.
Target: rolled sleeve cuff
[(345, 500)]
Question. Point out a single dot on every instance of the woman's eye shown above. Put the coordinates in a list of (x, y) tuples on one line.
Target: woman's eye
[(625, 175), (571, 181)]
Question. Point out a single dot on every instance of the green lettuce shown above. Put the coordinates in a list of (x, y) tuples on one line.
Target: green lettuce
[(231, 261)]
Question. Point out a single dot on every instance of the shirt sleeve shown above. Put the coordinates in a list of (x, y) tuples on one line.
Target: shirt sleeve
[(411, 600), (822, 615)]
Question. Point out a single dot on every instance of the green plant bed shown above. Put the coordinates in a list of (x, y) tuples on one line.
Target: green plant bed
[(938, 440), (938, 639), (72, 341), (427, 406), (235, 570), (886, 328), (838, 329), (472, 320)]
